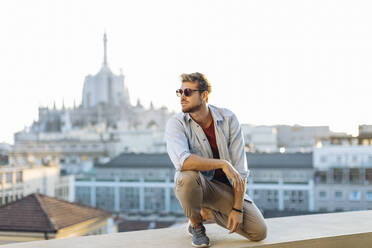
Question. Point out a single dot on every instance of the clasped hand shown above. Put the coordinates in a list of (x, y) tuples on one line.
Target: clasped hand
[(233, 174)]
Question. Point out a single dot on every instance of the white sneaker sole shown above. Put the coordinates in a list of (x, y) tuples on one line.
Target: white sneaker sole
[(203, 245), (187, 229)]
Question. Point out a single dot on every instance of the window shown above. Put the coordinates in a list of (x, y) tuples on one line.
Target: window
[(19, 176), (338, 195), (9, 176), (320, 177), (323, 209), (323, 159), (322, 195), (369, 195), (354, 195), (337, 175), (354, 176), (355, 159)]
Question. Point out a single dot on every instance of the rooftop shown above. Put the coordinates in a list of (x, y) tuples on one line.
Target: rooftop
[(347, 229), (255, 160), (40, 213)]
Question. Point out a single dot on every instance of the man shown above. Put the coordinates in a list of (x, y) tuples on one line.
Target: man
[(206, 146)]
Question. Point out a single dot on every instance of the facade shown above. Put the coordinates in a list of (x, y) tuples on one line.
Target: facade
[(143, 183), (39, 217), (260, 138), (281, 181), (130, 183), (17, 182), (364, 138), (300, 138), (343, 179), (4, 151)]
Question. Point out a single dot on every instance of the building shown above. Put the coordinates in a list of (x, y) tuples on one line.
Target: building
[(130, 183), (39, 217), (19, 181), (143, 183), (300, 138), (260, 138), (4, 151), (103, 126), (364, 138), (343, 178), (281, 181)]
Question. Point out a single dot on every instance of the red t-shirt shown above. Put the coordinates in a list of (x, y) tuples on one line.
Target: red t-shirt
[(211, 136)]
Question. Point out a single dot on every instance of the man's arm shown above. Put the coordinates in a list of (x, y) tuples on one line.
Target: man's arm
[(239, 196), (238, 158), (235, 218), (198, 163)]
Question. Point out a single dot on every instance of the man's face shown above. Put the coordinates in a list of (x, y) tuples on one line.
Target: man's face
[(193, 103)]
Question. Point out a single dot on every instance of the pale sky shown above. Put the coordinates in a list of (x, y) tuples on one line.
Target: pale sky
[(270, 62)]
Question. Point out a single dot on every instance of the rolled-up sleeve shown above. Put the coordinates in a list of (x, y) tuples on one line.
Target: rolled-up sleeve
[(177, 145), (236, 148)]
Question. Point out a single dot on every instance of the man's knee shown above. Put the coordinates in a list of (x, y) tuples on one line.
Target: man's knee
[(259, 232), (189, 192), (187, 179)]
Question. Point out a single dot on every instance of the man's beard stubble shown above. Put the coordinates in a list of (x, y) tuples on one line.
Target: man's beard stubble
[(193, 108)]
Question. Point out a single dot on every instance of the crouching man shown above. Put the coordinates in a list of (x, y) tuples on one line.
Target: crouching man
[(205, 144)]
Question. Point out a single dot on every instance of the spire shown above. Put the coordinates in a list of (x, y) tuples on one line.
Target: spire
[(105, 49)]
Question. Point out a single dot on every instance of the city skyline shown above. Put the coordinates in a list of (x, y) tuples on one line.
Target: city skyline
[(263, 65)]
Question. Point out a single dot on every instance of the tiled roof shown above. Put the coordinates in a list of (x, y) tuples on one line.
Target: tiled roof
[(255, 160), (40, 213)]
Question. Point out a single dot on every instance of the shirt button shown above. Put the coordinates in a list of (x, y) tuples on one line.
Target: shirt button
[(203, 139)]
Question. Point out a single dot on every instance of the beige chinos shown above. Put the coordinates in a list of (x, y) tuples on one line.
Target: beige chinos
[(194, 191)]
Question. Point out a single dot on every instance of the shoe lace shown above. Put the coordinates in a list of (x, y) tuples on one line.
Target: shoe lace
[(199, 230)]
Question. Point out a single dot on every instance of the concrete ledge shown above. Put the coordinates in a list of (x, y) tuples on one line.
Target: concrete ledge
[(347, 229)]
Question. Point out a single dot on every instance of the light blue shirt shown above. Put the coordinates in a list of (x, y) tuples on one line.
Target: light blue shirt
[(185, 137)]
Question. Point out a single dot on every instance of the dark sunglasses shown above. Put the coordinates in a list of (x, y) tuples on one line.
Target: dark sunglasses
[(186, 91)]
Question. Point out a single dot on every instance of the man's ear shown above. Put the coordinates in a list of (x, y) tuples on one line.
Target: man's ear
[(205, 95)]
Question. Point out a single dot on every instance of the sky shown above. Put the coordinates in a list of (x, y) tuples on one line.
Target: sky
[(270, 62)]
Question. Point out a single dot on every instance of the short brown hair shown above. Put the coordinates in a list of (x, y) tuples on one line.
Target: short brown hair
[(197, 77)]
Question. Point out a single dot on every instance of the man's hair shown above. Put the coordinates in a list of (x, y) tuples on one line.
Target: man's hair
[(197, 77)]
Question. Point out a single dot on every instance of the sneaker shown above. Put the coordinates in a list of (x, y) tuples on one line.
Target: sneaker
[(199, 238)]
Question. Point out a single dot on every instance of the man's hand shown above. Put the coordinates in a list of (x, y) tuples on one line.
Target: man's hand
[(233, 174), (234, 221)]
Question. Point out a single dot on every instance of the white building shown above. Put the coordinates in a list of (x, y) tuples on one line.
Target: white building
[(300, 138), (342, 156), (260, 138), (343, 178), (102, 127), (19, 181), (105, 87), (144, 183)]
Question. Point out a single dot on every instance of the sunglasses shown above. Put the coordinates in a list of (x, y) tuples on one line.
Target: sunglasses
[(186, 91)]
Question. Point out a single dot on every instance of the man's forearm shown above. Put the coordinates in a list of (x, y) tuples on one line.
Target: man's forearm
[(197, 163), (239, 197)]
